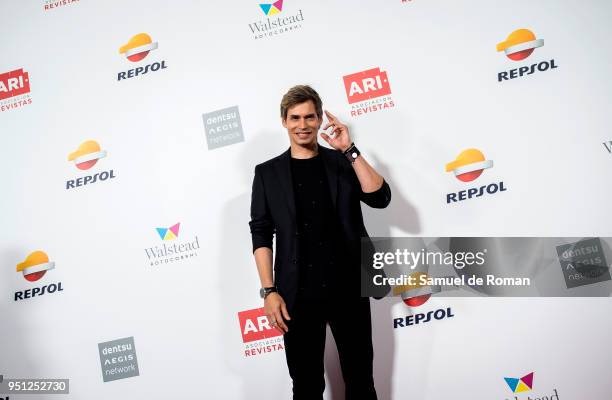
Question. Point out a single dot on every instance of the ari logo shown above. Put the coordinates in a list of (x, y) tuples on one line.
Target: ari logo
[(272, 9), (523, 384), (366, 85), (87, 155), (257, 334), (35, 266), (169, 233), (520, 44), (138, 47), (14, 89), (368, 91), (469, 165), (14, 83)]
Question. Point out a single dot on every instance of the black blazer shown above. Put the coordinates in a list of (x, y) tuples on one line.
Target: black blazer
[(273, 212)]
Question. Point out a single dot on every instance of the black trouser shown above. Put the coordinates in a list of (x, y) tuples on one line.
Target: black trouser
[(351, 326)]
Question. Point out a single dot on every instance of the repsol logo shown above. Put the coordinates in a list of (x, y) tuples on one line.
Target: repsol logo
[(131, 73), (416, 319), (526, 70), (39, 291), (85, 180), (461, 195)]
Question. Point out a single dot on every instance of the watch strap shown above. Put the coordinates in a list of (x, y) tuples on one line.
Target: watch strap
[(352, 153)]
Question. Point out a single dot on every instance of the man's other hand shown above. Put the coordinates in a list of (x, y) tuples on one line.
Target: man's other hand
[(276, 311)]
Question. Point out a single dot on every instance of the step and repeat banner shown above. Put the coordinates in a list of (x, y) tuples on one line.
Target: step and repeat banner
[(130, 133)]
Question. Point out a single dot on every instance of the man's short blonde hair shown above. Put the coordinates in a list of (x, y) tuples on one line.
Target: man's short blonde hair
[(300, 94)]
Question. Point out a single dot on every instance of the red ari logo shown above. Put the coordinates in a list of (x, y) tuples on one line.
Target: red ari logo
[(366, 85), (254, 325), (14, 83)]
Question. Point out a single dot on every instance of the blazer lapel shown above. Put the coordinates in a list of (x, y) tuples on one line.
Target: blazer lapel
[(283, 169), (331, 167)]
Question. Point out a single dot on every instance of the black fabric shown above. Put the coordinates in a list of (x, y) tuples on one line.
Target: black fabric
[(273, 214), (320, 245), (313, 207), (351, 327)]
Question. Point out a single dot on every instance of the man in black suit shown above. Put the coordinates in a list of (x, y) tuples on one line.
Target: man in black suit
[(310, 196)]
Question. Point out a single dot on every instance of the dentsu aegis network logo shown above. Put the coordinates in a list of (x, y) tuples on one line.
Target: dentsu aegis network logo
[(518, 46), (14, 89), (137, 49), (33, 268), (368, 91), (467, 167), (172, 249), (85, 157), (277, 21)]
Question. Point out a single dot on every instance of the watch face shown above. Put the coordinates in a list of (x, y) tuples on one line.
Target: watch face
[(262, 293)]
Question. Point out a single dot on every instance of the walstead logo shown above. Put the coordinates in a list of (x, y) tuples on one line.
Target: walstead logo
[(170, 233), (525, 384), (518, 46), (468, 166), (518, 385), (368, 91), (137, 49), (608, 146), (276, 22), (84, 158), (14, 89), (257, 334), (583, 263), (118, 359), (172, 249), (53, 4), (223, 127), (33, 268), (272, 9)]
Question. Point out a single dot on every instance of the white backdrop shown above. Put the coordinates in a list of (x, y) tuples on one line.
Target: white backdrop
[(543, 131)]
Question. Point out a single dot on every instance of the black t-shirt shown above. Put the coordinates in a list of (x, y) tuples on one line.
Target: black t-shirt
[(320, 242)]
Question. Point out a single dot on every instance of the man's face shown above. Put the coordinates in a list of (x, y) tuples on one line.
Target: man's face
[(302, 123)]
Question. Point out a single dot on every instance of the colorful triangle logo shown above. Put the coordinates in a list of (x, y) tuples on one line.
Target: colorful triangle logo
[(272, 9), (169, 233), (523, 384)]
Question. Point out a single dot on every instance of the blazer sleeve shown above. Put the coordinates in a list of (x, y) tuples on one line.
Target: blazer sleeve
[(262, 227), (377, 199)]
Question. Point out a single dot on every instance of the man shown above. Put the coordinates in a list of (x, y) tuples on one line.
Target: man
[(309, 196)]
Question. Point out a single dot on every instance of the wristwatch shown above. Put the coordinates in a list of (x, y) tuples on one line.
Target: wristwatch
[(352, 153), (265, 291)]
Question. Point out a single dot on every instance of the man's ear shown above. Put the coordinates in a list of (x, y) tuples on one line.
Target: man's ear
[(284, 122)]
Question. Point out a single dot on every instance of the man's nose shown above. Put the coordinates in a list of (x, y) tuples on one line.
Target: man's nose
[(303, 124)]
